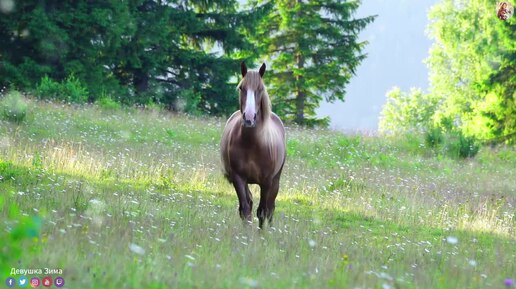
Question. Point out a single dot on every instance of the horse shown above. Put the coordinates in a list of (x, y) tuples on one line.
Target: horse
[(252, 148)]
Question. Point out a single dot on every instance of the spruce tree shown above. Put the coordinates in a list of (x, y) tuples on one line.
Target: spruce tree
[(137, 51), (314, 50)]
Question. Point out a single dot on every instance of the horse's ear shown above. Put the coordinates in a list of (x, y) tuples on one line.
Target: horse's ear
[(243, 69), (262, 70)]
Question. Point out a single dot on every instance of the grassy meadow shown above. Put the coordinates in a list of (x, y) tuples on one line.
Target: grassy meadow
[(134, 198)]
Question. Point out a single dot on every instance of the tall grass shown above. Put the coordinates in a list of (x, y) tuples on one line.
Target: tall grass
[(139, 199)]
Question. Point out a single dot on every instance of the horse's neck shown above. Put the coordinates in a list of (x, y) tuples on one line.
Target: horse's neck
[(254, 133)]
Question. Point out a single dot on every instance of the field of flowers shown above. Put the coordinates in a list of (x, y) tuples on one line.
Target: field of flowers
[(135, 198)]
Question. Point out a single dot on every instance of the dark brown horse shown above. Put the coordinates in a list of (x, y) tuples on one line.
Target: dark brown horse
[(253, 147)]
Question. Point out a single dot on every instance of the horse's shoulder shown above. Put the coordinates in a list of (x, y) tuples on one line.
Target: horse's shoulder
[(233, 116), (277, 120), (231, 122)]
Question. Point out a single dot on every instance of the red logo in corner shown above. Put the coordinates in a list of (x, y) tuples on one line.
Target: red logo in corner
[(504, 10), (47, 281)]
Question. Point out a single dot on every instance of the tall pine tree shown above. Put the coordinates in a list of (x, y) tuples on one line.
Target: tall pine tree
[(314, 50)]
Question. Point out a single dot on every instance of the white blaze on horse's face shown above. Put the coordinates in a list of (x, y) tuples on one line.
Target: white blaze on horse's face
[(249, 115)]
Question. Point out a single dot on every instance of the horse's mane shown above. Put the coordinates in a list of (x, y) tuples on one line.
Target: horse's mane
[(271, 135)]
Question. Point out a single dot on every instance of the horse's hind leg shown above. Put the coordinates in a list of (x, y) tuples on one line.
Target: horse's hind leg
[(241, 190), (249, 197), (271, 196)]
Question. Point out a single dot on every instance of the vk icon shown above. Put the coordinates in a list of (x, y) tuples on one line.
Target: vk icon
[(10, 282), (23, 282)]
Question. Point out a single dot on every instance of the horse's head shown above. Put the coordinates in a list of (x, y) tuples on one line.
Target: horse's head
[(253, 96)]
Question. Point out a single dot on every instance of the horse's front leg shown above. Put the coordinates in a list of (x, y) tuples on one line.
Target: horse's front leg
[(244, 207), (268, 199), (262, 207), (271, 198), (249, 197)]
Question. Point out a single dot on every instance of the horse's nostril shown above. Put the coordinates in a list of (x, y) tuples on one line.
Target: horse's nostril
[(255, 117), (243, 115)]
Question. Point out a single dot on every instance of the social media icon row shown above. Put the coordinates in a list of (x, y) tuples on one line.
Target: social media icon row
[(34, 282)]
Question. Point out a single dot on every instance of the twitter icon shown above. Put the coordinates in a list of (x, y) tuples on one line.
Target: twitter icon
[(23, 282)]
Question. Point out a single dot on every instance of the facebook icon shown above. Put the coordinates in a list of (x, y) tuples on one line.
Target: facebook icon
[(10, 282)]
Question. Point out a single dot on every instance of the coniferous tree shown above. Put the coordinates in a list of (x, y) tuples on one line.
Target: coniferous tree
[(137, 51), (314, 50)]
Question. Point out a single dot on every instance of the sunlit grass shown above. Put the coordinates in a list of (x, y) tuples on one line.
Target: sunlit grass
[(138, 197)]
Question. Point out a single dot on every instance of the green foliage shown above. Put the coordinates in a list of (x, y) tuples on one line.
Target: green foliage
[(108, 103), (13, 107), (12, 244), (434, 137), (456, 145), (313, 49), (188, 101), (292, 147), (153, 106), (407, 112), (69, 90), (134, 51), (74, 90), (472, 68), (452, 144), (472, 79), (21, 228), (48, 89)]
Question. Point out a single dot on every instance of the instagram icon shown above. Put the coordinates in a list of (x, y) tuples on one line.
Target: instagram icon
[(34, 282)]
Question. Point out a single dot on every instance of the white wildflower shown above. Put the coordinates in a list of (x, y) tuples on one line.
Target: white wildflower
[(136, 249), (312, 243), (452, 240)]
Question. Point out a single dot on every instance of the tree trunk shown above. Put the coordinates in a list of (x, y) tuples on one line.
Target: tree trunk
[(140, 81), (300, 93), (300, 88)]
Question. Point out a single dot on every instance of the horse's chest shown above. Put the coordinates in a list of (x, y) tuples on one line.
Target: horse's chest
[(253, 164)]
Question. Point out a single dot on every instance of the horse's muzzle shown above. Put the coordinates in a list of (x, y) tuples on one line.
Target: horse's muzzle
[(248, 122)]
